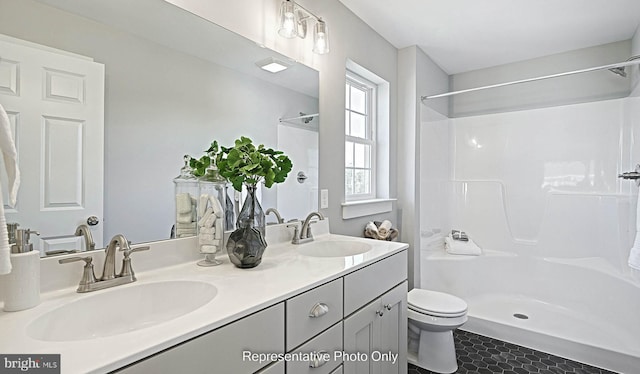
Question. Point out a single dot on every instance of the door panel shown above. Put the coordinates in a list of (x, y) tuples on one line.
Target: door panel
[(55, 102)]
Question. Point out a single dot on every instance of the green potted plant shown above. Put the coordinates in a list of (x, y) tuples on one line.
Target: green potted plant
[(244, 164)]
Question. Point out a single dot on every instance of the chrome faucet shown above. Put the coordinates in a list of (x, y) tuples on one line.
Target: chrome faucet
[(279, 218), (89, 282), (85, 231), (305, 231)]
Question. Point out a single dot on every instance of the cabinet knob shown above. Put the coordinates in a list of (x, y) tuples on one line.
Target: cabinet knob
[(320, 358), (318, 310), (388, 306), (380, 313)]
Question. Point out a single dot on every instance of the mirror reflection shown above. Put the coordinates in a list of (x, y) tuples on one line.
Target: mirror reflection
[(127, 95)]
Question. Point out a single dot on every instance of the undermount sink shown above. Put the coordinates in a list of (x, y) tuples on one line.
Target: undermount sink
[(333, 248), (120, 310)]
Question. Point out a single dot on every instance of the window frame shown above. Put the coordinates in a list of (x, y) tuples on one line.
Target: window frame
[(371, 98)]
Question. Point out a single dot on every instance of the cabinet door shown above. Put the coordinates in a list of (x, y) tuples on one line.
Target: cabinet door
[(222, 351), (393, 331), (360, 339)]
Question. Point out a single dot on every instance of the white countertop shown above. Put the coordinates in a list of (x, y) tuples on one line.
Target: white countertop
[(240, 292)]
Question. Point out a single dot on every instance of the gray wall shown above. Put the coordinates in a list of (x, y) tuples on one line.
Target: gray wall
[(159, 105)]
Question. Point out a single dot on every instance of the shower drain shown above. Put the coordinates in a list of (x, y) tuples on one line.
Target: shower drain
[(521, 316)]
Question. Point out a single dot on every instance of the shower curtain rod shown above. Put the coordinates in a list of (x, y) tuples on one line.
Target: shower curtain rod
[(603, 67), (305, 116)]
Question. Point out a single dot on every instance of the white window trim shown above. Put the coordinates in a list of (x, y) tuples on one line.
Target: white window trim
[(364, 84), (361, 208)]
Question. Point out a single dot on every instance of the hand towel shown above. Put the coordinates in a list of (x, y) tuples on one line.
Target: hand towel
[(634, 253), (217, 207), (384, 228), (10, 155), (205, 217), (208, 249), (183, 203), (371, 230), (457, 247)]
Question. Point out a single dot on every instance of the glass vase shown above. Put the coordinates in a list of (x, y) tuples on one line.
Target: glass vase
[(211, 214), (186, 195), (247, 244)]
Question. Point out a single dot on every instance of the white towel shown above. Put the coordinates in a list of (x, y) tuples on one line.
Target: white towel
[(457, 247), (183, 203), (10, 156), (634, 253), (384, 229)]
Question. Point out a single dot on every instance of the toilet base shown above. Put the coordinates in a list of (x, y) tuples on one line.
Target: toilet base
[(436, 352)]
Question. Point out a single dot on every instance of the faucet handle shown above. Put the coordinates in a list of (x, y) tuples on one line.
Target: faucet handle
[(129, 251), (127, 270), (88, 260), (296, 235), (88, 275)]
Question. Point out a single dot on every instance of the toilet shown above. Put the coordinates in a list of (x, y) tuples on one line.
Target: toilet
[(432, 318)]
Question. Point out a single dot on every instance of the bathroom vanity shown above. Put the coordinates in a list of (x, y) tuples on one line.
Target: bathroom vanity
[(298, 312)]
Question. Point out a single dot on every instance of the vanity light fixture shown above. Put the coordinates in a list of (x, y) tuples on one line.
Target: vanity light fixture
[(293, 20), (273, 65)]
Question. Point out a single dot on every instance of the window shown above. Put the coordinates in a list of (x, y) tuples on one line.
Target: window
[(360, 138)]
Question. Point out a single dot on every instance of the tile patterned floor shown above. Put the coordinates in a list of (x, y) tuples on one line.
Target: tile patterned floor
[(479, 354)]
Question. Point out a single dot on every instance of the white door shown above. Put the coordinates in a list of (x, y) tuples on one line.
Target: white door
[(55, 101)]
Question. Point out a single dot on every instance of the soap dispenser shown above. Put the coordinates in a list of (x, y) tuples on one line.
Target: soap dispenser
[(22, 285)]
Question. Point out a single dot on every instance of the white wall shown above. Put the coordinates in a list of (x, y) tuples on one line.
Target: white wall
[(571, 89), (159, 105), (417, 75), (350, 38)]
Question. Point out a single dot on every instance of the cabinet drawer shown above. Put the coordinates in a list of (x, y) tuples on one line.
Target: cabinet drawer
[(222, 349), (325, 300), (327, 344), (275, 368), (366, 284)]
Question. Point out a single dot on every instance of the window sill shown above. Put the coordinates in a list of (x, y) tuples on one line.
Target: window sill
[(362, 208)]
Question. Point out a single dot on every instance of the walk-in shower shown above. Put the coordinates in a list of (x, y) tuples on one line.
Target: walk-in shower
[(529, 169)]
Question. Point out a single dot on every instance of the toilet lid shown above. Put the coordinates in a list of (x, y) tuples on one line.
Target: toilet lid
[(436, 303)]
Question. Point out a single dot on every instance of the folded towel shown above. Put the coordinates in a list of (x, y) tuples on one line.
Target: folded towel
[(207, 241), (457, 247), (371, 230), (217, 207), (208, 249), (202, 204), (634, 253), (10, 155), (383, 229), (189, 225), (183, 203), (219, 229), (208, 230), (185, 218), (207, 214)]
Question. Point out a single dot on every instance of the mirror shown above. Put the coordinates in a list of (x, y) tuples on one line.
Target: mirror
[(173, 83)]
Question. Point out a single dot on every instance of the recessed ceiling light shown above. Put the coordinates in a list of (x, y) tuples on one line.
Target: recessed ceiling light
[(272, 65)]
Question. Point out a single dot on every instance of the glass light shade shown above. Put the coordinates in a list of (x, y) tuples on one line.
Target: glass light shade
[(320, 38), (288, 20)]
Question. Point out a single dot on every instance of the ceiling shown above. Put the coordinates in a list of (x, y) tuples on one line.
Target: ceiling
[(465, 35)]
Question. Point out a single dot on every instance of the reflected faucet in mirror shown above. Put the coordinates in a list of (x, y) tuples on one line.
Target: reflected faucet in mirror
[(85, 231), (279, 218)]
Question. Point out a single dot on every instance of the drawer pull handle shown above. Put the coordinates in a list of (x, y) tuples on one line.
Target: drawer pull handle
[(318, 310), (320, 358)]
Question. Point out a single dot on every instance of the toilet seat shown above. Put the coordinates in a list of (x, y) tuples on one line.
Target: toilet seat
[(437, 304)]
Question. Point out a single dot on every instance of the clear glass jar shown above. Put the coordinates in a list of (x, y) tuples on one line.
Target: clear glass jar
[(186, 197), (211, 214)]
